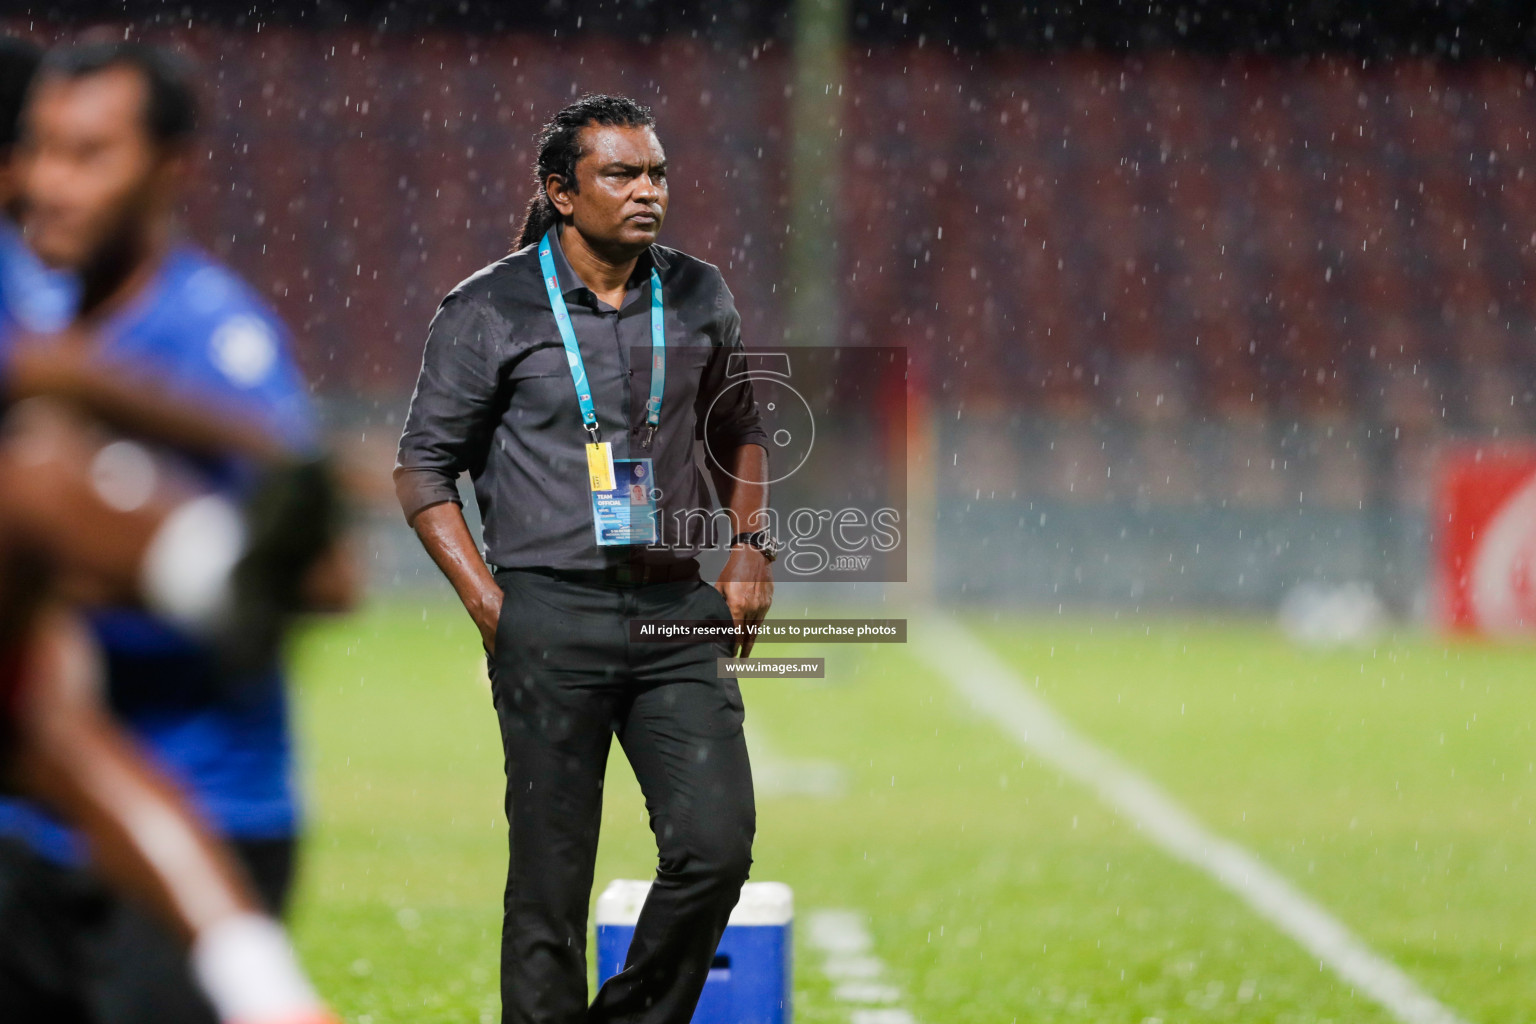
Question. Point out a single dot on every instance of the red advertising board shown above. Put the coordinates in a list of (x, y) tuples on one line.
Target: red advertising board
[(1485, 533)]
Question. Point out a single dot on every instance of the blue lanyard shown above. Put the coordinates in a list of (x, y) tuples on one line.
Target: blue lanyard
[(573, 352)]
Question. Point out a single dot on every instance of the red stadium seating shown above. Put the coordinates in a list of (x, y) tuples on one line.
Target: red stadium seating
[(1144, 235)]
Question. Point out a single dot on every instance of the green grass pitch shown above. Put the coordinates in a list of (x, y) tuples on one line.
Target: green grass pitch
[(1394, 784)]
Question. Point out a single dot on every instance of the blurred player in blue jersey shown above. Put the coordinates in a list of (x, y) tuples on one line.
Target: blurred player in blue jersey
[(62, 533), (102, 158)]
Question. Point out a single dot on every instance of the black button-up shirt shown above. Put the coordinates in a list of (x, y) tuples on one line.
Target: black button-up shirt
[(495, 399)]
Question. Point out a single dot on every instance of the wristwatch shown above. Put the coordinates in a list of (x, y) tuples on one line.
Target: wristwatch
[(760, 540)]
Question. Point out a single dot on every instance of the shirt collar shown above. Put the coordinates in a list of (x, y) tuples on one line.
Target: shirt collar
[(569, 282)]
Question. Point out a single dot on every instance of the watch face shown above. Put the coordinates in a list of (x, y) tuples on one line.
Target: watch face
[(760, 541)]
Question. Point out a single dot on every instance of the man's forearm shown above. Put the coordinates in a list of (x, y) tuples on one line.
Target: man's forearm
[(134, 404), (143, 835), (747, 579), (146, 840), (743, 488), (447, 539)]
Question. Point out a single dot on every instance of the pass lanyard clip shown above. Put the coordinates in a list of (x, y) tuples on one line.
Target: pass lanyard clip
[(573, 351)]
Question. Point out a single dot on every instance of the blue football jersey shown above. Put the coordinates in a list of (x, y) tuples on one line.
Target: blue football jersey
[(200, 331)]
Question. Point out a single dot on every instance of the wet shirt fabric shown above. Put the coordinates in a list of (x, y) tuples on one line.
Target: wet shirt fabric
[(495, 400), (201, 332)]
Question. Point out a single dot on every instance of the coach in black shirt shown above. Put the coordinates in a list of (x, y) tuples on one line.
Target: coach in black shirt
[(528, 384)]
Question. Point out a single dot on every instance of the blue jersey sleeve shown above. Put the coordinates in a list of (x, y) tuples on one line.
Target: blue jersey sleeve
[(212, 340), (243, 360)]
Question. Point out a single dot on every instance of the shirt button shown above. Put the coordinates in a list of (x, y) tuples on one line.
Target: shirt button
[(631, 372)]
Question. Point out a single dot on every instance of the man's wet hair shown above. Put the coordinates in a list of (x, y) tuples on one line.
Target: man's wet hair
[(560, 150), (170, 106), (18, 63)]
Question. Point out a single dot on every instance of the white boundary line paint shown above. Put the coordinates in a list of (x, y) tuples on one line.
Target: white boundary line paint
[(996, 690), (773, 775), (852, 967)]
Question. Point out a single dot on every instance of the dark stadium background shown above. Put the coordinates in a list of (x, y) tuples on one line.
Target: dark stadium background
[(1195, 294)]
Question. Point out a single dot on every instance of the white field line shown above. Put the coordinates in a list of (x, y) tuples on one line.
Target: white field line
[(852, 967), (773, 775), (996, 690)]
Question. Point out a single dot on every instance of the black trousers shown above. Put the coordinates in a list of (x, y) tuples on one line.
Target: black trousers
[(566, 679), (72, 952)]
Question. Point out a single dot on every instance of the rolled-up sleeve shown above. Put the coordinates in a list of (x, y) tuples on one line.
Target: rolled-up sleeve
[(452, 415), (734, 421)]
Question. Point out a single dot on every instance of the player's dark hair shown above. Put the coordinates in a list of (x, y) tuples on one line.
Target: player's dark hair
[(18, 63), (560, 148), (170, 108)]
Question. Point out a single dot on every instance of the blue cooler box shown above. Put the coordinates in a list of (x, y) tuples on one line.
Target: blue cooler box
[(749, 982)]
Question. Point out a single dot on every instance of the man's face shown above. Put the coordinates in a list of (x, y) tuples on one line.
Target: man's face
[(90, 174), (622, 195)]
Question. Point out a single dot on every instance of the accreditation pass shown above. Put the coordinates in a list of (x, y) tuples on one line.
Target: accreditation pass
[(623, 497)]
